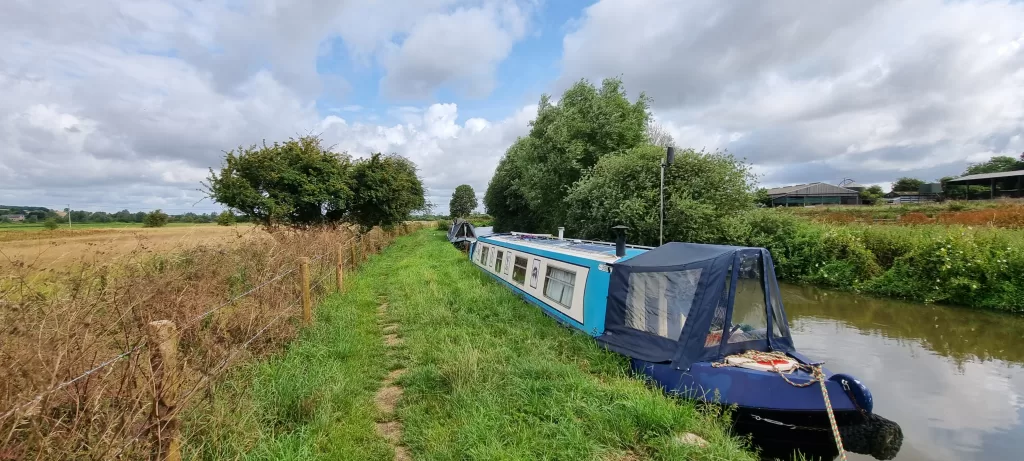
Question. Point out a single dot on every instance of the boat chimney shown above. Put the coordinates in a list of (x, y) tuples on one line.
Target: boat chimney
[(620, 240), (561, 233)]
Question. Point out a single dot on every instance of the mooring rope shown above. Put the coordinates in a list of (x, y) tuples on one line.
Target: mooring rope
[(817, 376)]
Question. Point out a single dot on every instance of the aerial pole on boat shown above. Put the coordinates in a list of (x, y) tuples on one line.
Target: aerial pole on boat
[(670, 155)]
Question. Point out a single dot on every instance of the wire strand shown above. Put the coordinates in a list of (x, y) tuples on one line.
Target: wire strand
[(60, 386)]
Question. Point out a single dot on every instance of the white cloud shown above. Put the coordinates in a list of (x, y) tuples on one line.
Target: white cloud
[(447, 153), (119, 104), (460, 48), (832, 89)]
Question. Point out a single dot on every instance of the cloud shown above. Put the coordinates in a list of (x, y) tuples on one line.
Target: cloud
[(460, 48), (447, 153), (871, 90), (135, 100)]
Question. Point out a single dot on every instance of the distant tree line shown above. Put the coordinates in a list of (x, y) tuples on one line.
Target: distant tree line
[(38, 215)]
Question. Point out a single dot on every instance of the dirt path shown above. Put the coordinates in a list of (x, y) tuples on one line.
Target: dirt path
[(390, 391)]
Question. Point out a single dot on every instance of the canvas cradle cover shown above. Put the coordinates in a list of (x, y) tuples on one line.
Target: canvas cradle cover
[(686, 302), (461, 230)]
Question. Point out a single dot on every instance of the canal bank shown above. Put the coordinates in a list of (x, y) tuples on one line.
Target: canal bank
[(424, 355), (953, 378)]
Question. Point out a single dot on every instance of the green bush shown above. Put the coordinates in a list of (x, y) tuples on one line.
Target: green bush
[(50, 224), (975, 267), (155, 218)]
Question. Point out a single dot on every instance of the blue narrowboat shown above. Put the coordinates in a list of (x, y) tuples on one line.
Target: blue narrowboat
[(704, 322)]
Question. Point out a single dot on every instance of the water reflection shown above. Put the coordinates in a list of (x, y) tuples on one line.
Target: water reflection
[(952, 378)]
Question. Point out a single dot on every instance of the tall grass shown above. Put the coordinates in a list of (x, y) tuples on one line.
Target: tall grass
[(972, 266), (488, 377), (56, 325)]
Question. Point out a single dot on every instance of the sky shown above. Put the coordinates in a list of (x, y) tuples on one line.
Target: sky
[(112, 104)]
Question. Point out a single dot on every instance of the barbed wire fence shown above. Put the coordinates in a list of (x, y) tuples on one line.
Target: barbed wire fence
[(158, 419)]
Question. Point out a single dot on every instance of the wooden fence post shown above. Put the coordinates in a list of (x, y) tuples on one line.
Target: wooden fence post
[(355, 252), (162, 336), (307, 302), (341, 267)]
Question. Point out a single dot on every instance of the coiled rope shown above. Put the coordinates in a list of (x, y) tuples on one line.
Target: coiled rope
[(816, 374)]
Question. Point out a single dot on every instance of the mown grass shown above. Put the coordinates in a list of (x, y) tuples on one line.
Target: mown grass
[(488, 377)]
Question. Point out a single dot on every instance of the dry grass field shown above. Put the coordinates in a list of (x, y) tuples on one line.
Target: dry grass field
[(55, 250)]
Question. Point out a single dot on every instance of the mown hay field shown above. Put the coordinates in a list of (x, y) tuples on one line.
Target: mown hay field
[(54, 250)]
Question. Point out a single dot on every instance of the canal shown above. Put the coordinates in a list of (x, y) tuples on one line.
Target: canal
[(953, 378)]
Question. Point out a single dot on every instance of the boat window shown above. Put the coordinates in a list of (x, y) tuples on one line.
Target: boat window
[(718, 321), (559, 285), (519, 271), (658, 302), (498, 261), (749, 320), (483, 255), (778, 323)]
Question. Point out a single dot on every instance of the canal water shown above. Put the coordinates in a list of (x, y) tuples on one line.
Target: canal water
[(953, 378)]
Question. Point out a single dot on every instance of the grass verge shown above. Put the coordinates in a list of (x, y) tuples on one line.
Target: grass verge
[(488, 377)]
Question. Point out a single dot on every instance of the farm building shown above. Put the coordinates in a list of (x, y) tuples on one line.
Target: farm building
[(987, 186), (13, 217), (817, 193)]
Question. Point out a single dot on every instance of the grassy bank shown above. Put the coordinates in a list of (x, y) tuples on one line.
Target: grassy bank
[(970, 266), (487, 376)]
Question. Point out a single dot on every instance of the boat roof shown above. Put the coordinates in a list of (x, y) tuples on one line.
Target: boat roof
[(598, 251)]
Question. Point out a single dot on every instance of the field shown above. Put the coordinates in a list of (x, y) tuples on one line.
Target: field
[(76, 328), (53, 250), (1003, 213), (424, 357)]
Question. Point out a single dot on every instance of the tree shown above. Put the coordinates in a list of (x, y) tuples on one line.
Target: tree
[(155, 218), (907, 185), (225, 218), (50, 224), (705, 193), (296, 183), (123, 216), (872, 195), (463, 202), (657, 135), (387, 191), (565, 141), (996, 164), (505, 198)]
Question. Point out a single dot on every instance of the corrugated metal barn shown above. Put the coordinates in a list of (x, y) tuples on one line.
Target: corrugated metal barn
[(817, 193), (1002, 184)]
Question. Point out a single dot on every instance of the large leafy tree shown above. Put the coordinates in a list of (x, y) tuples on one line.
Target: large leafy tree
[(704, 192), (388, 190), (463, 201), (996, 164), (297, 183), (907, 185), (505, 199), (566, 139)]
